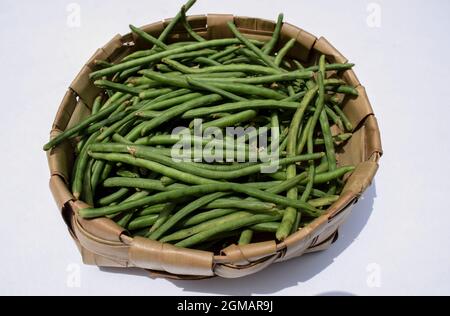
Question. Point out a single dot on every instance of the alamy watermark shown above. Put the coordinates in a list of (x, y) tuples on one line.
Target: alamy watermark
[(209, 144), (73, 15)]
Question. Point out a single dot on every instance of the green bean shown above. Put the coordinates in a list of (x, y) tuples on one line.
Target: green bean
[(237, 60), (102, 63), (184, 233), (282, 53), (202, 236), (162, 218), (252, 69), (106, 110), (87, 195), (291, 213), (330, 67), (304, 136), (325, 177), (143, 222), (80, 167), (97, 104), (288, 76), (146, 153), (324, 201), (348, 125), (193, 54), (188, 28), (154, 209), (268, 227), (239, 106), (335, 118), (149, 114), (314, 192), (206, 216), (127, 174), (249, 205), (191, 207), (231, 120), (226, 52), (125, 219), (113, 197), (162, 37), (129, 72), (329, 144), (145, 184), (264, 57), (117, 87), (147, 37), (151, 94), (204, 86), (157, 105), (336, 139), (178, 110), (152, 57), (120, 139), (345, 90), (268, 47), (153, 166), (166, 181), (246, 237), (206, 61), (163, 197), (162, 68)]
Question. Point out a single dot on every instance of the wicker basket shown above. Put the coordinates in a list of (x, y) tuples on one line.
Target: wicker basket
[(103, 243)]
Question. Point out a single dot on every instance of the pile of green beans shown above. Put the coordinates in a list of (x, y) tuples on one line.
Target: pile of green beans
[(125, 169)]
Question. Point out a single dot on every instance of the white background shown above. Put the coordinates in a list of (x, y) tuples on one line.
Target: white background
[(397, 241)]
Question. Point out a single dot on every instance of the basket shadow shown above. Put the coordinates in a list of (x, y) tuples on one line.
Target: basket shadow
[(292, 272), (286, 274)]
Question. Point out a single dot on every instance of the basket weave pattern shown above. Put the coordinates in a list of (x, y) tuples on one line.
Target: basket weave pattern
[(103, 243)]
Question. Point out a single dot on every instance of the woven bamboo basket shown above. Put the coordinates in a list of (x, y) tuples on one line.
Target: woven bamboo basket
[(103, 243)]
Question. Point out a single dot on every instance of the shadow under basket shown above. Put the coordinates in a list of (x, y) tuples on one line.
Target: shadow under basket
[(103, 243)]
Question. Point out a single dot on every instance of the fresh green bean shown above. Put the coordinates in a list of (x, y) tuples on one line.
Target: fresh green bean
[(80, 167), (288, 76), (264, 57), (162, 218), (239, 106), (145, 184), (154, 209), (206, 216), (107, 200), (191, 207), (268, 227), (151, 94), (246, 237), (282, 53), (106, 110), (143, 222), (231, 120), (205, 86), (187, 232), (268, 47), (188, 27), (125, 219), (324, 201), (152, 57), (200, 189), (325, 177), (147, 37), (202, 236), (291, 213), (251, 69), (348, 125)]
